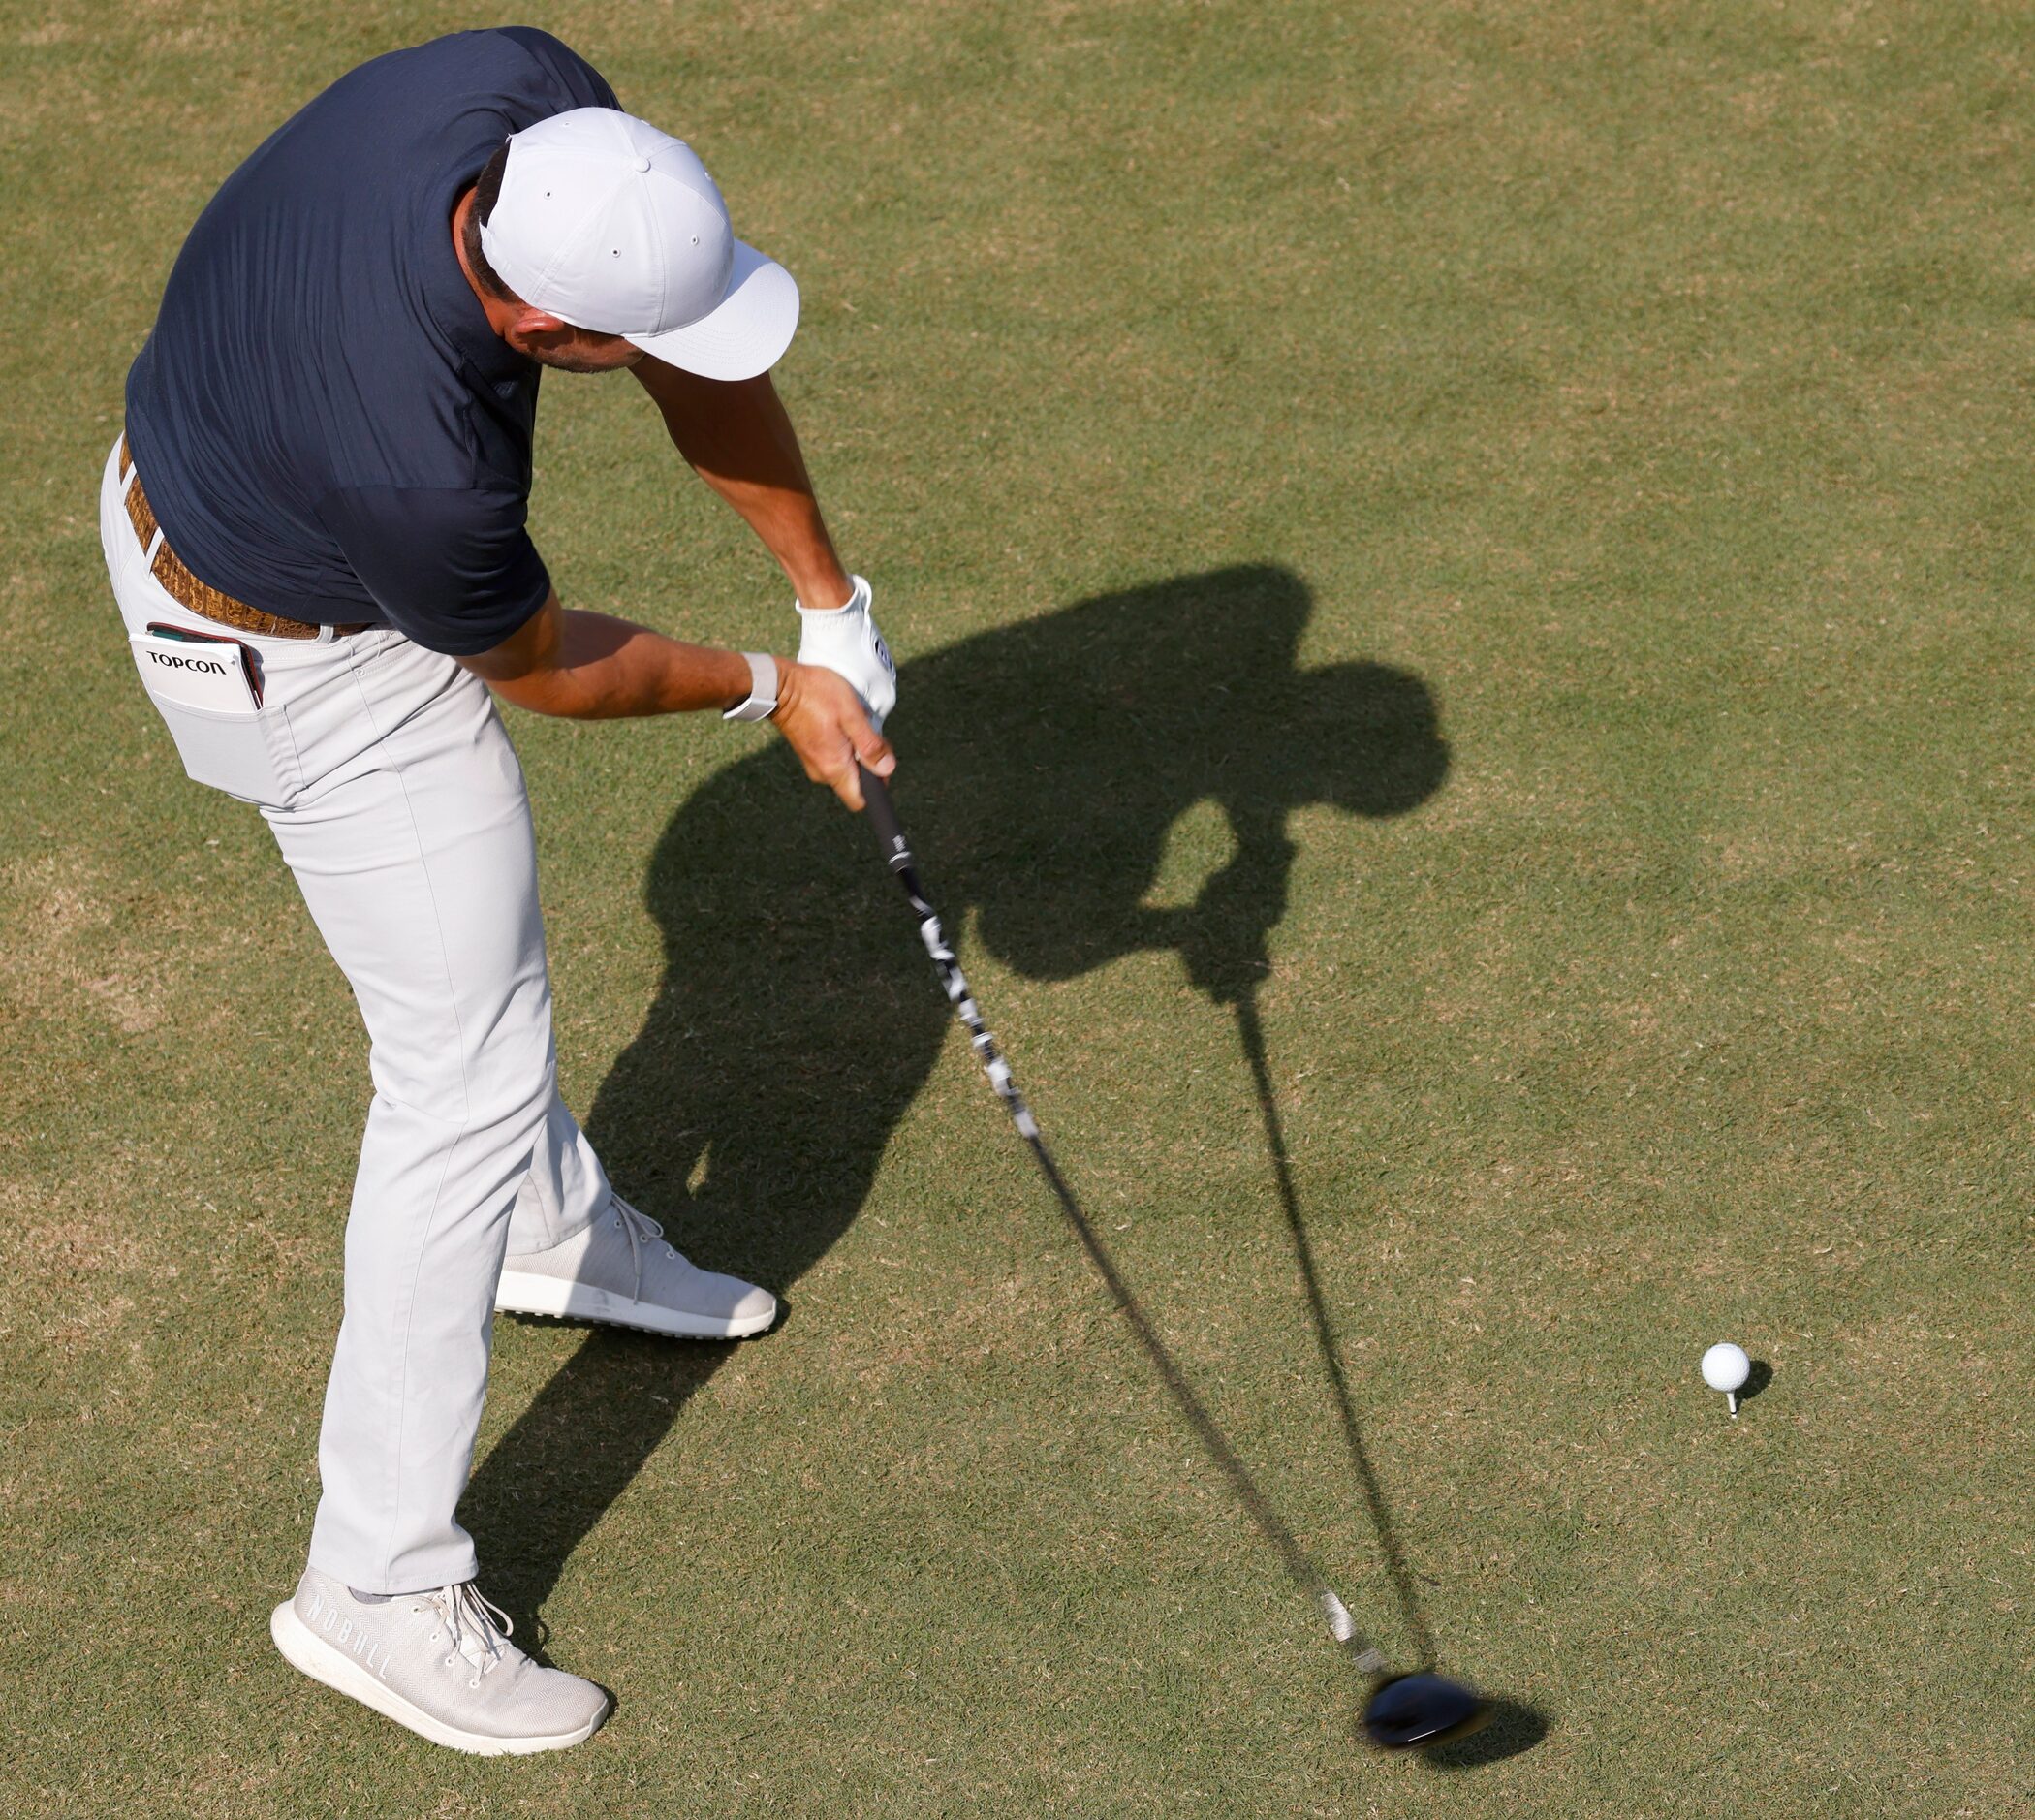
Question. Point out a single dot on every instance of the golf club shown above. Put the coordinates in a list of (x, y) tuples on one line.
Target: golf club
[(1403, 1710)]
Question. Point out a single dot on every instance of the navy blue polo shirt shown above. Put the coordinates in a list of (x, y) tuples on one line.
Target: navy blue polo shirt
[(325, 424)]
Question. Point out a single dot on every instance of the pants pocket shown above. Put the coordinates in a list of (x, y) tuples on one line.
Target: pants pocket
[(233, 752), (226, 738)]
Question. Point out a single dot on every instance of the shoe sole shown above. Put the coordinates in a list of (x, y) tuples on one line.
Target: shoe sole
[(310, 1653), (564, 1300)]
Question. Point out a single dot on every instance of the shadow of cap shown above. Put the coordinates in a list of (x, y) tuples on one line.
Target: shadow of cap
[(1364, 737)]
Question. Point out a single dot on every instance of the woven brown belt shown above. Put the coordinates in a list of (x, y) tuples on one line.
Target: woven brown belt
[(203, 599)]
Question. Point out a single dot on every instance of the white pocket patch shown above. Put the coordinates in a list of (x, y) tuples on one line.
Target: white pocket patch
[(210, 674)]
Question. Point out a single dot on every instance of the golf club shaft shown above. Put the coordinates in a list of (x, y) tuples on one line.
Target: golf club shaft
[(898, 856)]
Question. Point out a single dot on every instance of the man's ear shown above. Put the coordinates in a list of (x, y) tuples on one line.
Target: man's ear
[(536, 327)]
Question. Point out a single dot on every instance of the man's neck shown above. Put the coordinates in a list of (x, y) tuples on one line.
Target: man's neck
[(500, 314)]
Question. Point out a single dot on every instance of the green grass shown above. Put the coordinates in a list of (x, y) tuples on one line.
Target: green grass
[(1562, 468)]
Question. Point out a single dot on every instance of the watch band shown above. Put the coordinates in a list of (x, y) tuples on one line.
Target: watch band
[(762, 699)]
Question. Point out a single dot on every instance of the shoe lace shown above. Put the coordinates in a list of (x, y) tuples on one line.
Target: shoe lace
[(477, 1628), (641, 1230)]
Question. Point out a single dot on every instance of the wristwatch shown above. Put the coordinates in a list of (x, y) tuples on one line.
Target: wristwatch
[(760, 703)]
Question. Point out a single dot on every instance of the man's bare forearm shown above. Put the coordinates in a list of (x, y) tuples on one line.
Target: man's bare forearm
[(588, 666), (592, 667), (739, 438)]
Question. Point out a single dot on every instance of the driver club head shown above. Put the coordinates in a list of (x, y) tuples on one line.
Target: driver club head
[(1409, 1711)]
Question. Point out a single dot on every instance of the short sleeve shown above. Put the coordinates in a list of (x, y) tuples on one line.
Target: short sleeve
[(453, 568), (576, 82)]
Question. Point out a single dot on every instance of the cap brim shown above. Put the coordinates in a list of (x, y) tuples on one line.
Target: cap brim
[(741, 336)]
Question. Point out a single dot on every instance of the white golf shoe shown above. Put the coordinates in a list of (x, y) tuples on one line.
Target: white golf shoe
[(438, 1662), (618, 1269)]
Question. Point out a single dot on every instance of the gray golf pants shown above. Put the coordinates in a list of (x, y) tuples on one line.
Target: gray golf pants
[(393, 791)]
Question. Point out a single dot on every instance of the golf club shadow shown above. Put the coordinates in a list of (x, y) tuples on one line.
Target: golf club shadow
[(1512, 1729), (1043, 766), (1251, 1030)]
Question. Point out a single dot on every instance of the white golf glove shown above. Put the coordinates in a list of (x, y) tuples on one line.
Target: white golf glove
[(847, 642)]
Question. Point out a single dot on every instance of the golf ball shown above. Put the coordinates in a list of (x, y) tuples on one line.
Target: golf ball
[(1726, 1368)]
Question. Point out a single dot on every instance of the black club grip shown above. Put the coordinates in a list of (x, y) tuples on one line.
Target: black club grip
[(883, 818)]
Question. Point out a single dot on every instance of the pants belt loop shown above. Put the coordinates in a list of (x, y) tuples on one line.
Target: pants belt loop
[(326, 634)]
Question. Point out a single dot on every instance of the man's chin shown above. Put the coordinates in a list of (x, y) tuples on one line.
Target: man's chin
[(567, 361)]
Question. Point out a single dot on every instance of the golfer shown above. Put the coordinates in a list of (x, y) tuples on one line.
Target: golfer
[(315, 526)]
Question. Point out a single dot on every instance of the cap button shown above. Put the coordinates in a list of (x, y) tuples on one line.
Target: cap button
[(642, 164)]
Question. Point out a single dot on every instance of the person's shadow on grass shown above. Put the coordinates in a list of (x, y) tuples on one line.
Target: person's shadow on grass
[(1042, 766)]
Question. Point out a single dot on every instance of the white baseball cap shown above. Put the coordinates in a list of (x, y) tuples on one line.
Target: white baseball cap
[(617, 228)]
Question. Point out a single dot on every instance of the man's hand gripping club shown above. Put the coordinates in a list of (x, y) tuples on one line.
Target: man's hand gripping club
[(824, 723)]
